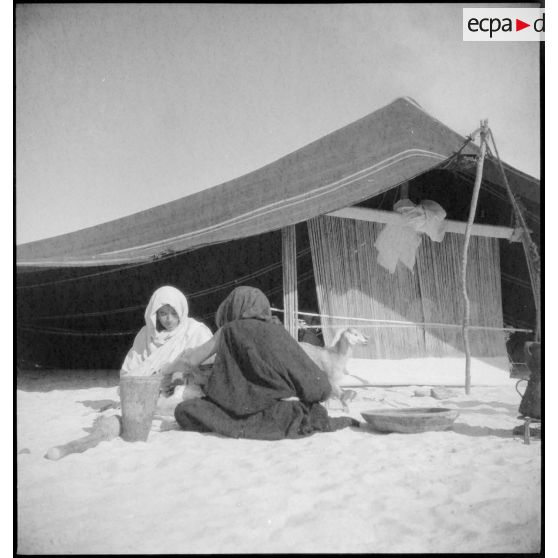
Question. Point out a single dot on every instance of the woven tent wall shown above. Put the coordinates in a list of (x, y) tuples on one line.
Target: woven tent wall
[(351, 284)]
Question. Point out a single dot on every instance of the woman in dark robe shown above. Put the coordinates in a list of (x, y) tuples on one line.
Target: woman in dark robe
[(263, 385), (530, 405)]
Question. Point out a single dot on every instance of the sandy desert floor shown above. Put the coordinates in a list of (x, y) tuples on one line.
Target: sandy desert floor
[(474, 488)]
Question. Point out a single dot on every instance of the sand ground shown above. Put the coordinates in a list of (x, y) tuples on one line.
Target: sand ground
[(474, 488)]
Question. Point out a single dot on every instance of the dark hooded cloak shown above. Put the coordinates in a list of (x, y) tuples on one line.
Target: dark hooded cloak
[(258, 365)]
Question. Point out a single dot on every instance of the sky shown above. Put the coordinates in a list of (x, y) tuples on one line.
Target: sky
[(121, 107)]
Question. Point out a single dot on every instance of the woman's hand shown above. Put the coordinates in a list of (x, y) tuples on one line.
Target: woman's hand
[(194, 357), (168, 383)]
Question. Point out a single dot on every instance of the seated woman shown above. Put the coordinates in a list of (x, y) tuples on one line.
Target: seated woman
[(160, 343), (263, 385)]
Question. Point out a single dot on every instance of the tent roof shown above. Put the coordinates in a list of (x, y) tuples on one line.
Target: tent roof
[(359, 161)]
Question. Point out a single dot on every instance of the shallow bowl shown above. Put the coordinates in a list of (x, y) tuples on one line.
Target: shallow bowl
[(416, 419)]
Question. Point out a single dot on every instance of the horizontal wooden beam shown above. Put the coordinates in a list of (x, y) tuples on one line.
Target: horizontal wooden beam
[(393, 218)]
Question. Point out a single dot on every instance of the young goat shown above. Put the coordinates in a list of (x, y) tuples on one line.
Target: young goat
[(333, 360)]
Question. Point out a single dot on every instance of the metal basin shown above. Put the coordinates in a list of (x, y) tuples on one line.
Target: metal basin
[(416, 419)]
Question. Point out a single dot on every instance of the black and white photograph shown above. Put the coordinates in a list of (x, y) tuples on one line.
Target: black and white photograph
[(277, 278)]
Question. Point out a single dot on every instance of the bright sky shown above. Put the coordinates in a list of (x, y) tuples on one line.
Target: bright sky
[(121, 107)]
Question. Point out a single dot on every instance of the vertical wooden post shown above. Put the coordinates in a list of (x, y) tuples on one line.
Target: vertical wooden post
[(290, 291), (404, 191), (470, 220), (530, 248)]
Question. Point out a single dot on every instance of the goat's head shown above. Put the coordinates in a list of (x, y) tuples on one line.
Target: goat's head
[(355, 337)]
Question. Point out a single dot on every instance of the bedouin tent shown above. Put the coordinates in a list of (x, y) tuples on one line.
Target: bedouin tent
[(80, 296)]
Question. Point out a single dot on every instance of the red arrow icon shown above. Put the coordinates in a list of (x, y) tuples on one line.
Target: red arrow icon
[(519, 25)]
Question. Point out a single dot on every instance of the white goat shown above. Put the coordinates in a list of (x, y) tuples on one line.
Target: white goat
[(333, 360)]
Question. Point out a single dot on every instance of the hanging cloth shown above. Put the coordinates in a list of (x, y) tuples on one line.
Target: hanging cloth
[(400, 243)]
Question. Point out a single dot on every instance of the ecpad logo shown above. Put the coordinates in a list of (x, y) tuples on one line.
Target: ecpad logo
[(494, 24), (503, 24)]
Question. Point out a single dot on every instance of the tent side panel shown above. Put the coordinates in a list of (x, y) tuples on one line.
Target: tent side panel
[(351, 283)]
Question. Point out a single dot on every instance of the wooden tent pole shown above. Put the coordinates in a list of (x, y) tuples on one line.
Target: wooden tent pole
[(404, 191), (530, 248), (290, 292), (470, 220), (394, 218)]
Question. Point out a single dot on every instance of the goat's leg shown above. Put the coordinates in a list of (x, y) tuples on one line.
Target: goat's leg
[(338, 393), (346, 396)]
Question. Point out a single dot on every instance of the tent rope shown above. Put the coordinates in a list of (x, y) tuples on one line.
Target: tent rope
[(62, 331), (456, 154), (99, 273), (140, 264), (371, 322), (196, 294)]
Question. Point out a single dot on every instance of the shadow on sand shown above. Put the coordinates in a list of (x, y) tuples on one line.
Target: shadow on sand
[(495, 404), (477, 431), (100, 405), (459, 428), (49, 380)]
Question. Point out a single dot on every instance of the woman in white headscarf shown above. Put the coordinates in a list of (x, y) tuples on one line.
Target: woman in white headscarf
[(167, 333)]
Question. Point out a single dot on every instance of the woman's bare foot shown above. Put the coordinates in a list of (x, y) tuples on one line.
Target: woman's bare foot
[(166, 405)]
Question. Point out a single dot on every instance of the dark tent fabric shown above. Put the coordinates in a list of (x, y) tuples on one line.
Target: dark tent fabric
[(357, 162)]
